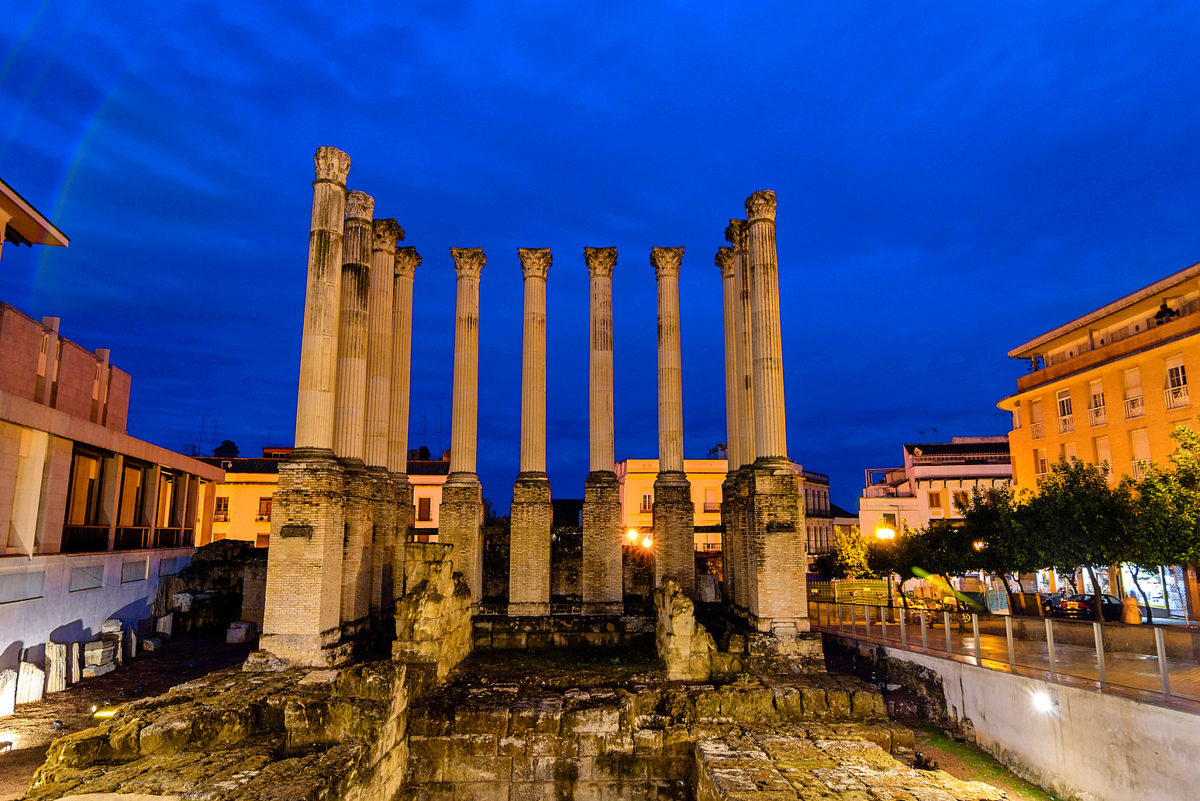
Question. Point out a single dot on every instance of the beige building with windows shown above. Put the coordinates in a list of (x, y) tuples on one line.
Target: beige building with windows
[(934, 478), (90, 517), (706, 476)]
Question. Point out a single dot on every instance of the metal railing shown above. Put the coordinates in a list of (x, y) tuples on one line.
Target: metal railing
[(1138, 467), (84, 539), (1176, 397), (1156, 663), (1097, 416), (1066, 424), (1134, 407), (1037, 430), (132, 538)]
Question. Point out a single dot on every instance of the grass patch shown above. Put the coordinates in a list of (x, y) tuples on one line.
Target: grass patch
[(964, 761)]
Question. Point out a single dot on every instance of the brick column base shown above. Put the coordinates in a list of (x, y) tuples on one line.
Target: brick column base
[(459, 517), (776, 550), (529, 546), (602, 579), (302, 609), (356, 550), (383, 545), (674, 531), (402, 496)]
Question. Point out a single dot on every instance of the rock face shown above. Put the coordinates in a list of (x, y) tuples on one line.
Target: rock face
[(433, 618), (685, 646), (244, 735)]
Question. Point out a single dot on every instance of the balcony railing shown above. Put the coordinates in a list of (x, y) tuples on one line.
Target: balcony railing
[(712, 506), (1097, 416), (1138, 467), (1134, 407), (130, 538), (84, 539), (1176, 397), (1036, 430), (168, 537), (1066, 424), (220, 517)]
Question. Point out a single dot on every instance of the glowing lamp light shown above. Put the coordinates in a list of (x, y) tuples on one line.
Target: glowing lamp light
[(1043, 703), (885, 533), (632, 535), (104, 713), (647, 542), (979, 545)]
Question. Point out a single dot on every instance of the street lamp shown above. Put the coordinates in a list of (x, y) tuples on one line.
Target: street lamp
[(885, 533)]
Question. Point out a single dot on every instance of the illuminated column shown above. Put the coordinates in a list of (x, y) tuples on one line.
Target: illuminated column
[(529, 540), (724, 262), (737, 235), (349, 441), (770, 429), (674, 524), (405, 264), (602, 543), (383, 504), (461, 510), (318, 345)]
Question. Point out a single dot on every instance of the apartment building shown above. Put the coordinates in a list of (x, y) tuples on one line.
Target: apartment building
[(934, 478)]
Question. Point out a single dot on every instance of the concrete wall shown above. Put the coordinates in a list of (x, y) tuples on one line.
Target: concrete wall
[(1091, 746), (66, 616)]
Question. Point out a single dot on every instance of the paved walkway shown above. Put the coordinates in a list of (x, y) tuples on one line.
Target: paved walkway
[(1132, 673)]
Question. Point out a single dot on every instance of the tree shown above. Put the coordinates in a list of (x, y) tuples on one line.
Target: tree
[(848, 558), (1081, 520), (994, 524)]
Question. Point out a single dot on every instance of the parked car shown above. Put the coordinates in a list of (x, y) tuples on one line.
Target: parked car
[(1050, 601), (1079, 607)]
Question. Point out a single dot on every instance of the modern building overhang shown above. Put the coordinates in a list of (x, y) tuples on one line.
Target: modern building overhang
[(27, 225), (1034, 346)]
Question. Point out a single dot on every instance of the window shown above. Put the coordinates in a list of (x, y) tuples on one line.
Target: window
[(1016, 415), (134, 570), (1177, 390), (1103, 454), (1066, 421), (935, 502), (132, 496), (21, 586), (962, 499), (1069, 451), (647, 502), (1139, 441), (1040, 464), (1134, 406), (262, 541), (264, 509), (887, 520), (87, 577), (83, 506), (711, 503), (1096, 414), (424, 513), (1035, 420), (221, 511)]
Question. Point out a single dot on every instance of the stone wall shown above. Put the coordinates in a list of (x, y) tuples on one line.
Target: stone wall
[(433, 618), (562, 631)]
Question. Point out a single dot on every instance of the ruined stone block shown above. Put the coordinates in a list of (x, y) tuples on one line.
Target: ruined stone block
[(8, 691), (75, 663), (596, 720), (99, 652), (92, 671), (31, 683), (56, 667)]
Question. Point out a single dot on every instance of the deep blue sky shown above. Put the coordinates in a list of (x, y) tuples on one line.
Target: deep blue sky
[(953, 179)]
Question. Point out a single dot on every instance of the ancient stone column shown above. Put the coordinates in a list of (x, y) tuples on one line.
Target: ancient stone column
[(602, 541), (349, 440), (774, 508), (302, 608), (674, 523), (318, 344), (529, 534), (737, 234), (405, 263), (383, 508), (461, 510), (725, 263), (770, 429)]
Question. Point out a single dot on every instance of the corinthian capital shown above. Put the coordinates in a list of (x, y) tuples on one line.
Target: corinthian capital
[(385, 234), (761, 206), (724, 260), (737, 234), (407, 261), (468, 262), (331, 164), (600, 261), (535, 262), (359, 205), (666, 261)]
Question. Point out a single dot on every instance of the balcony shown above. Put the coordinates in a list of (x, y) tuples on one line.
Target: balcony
[(1066, 424), (712, 506), (84, 539), (1097, 416), (131, 538), (1138, 468), (1037, 430), (1134, 407), (1176, 397)]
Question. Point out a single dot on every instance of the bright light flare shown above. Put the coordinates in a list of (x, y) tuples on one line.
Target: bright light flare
[(632, 534), (1042, 702), (885, 533), (647, 542), (105, 713), (979, 545)]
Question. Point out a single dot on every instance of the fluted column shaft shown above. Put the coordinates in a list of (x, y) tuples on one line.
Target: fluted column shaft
[(724, 261), (379, 340), (318, 346), (464, 416), (535, 263), (736, 234), (349, 414), (600, 263), (770, 429), (405, 262), (666, 263)]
